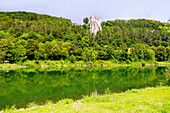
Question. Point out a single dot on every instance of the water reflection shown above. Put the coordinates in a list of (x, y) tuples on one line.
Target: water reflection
[(22, 86)]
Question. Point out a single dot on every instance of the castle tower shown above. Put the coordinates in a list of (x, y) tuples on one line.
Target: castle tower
[(95, 24)]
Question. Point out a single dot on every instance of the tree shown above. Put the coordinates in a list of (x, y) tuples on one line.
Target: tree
[(23, 35), (137, 50), (71, 48), (168, 53), (161, 53), (149, 54), (2, 55), (32, 46), (102, 53), (55, 52), (57, 33), (41, 50), (110, 51), (123, 55), (123, 46), (92, 55), (3, 49), (19, 53), (86, 20), (103, 24), (72, 58), (89, 54), (4, 35), (156, 43), (165, 44), (36, 55), (64, 53)]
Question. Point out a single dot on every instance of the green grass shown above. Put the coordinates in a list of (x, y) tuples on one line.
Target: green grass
[(7, 65), (165, 62), (148, 100)]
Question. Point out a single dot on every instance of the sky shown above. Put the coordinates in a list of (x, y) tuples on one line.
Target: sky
[(77, 10)]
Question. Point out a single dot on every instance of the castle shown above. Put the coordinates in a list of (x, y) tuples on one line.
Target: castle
[(95, 25)]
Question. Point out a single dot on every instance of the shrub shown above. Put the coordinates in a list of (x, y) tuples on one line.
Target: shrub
[(128, 61), (37, 62), (143, 64), (65, 101), (31, 104), (45, 61), (62, 62), (107, 91), (29, 63), (90, 63), (72, 58)]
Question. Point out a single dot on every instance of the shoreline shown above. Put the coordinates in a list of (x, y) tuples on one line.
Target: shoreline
[(82, 65), (149, 99)]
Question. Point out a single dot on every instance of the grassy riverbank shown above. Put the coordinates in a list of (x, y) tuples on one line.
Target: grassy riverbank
[(55, 63), (149, 100)]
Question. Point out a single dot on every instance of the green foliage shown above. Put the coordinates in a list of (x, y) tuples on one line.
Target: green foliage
[(107, 91), (31, 47), (4, 35), (65, 101), (161, 53), (86, 20), (33, 104), (24, 34), (62, 83), (30, 63), (19, 53), (72, 58), (2, 55), (143, 64), (123, 56), (139, 100)]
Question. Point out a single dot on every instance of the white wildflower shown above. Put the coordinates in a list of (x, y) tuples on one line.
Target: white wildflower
[(21, 109), (33, 107)]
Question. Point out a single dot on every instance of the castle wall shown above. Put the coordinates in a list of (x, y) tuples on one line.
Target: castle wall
[(95, 24)]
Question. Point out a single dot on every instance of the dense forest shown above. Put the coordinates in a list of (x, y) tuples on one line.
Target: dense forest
[(31, 36)]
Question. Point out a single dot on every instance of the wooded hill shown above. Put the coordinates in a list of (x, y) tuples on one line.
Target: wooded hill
[(26, 35)]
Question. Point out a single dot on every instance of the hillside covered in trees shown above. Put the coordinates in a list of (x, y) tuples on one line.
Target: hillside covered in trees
[(30, 36)]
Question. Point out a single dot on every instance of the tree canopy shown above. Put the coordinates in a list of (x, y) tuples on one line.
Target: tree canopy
[(26, 35)]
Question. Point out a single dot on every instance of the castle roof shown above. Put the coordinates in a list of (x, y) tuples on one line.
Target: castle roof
[(96, 17)]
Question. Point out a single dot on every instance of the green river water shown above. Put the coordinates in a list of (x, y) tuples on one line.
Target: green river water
[(20, 87)]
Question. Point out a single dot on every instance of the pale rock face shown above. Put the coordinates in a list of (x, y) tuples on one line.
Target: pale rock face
[(95, 24)]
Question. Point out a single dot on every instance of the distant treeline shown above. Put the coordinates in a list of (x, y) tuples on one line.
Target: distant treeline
[(26, 35)]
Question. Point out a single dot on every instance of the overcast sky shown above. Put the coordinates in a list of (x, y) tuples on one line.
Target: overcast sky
[(76, 10)]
